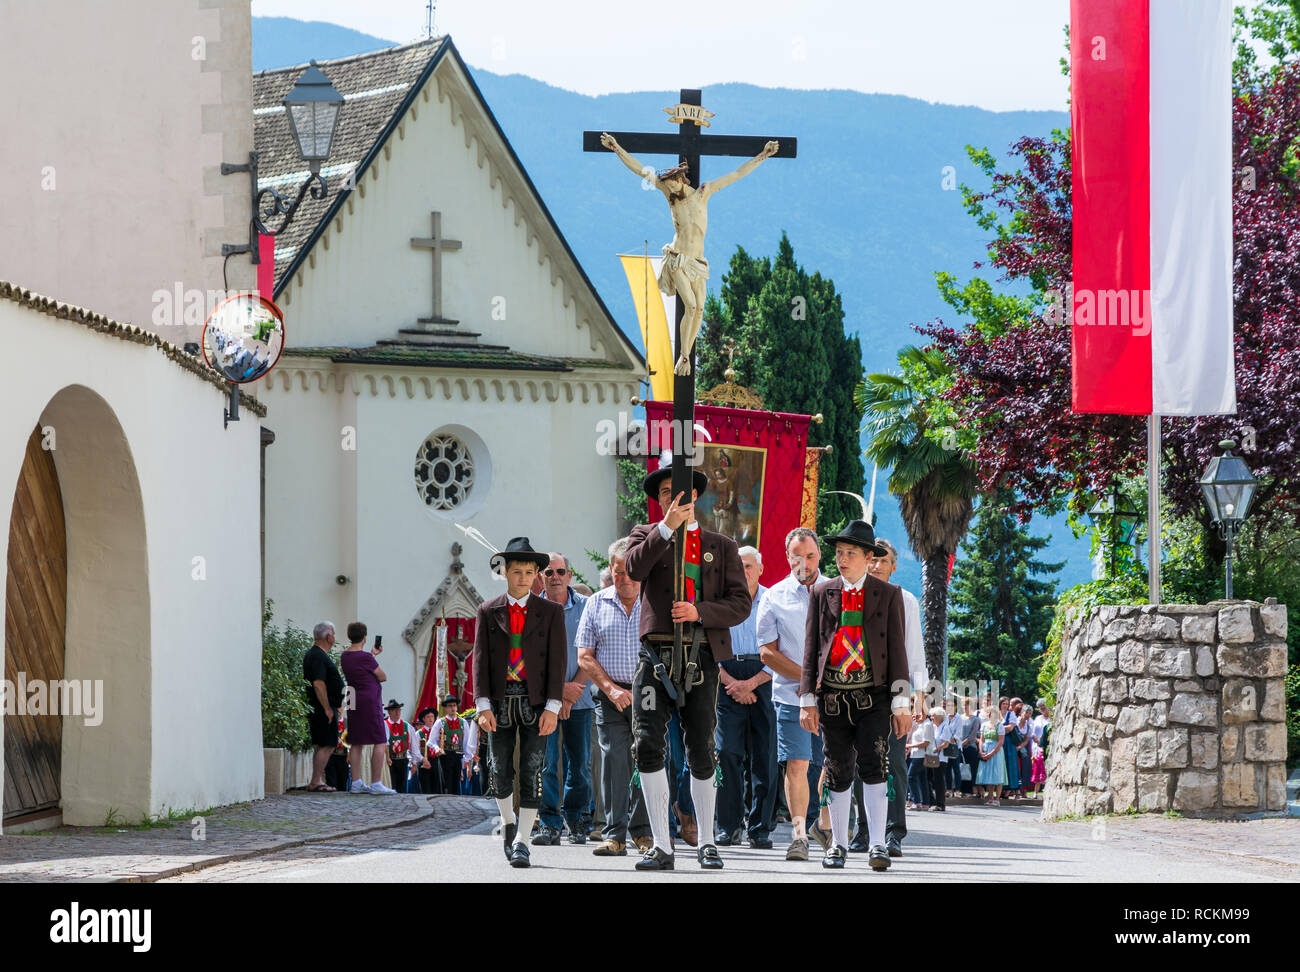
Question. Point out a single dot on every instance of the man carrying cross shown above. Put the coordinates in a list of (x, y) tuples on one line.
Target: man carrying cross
[(685, 272), (716, 598)]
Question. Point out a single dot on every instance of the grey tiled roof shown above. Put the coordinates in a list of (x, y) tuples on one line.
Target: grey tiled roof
[(488, 356), (377, 88), (374, 87)]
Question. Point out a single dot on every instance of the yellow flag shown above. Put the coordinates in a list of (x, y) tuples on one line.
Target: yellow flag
[(652, 312)]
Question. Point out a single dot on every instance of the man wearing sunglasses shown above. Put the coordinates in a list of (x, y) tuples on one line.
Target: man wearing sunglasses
[(575, 725)]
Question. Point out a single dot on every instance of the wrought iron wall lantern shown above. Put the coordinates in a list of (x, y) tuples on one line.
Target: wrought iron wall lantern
[(312, 107)]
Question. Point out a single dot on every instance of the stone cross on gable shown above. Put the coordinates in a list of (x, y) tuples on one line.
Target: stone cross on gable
[(437, 243)]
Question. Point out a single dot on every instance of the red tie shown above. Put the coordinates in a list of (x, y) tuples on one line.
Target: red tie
[(691, 563), (515, 667)]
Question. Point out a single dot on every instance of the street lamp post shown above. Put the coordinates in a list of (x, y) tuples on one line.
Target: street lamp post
[(1117, 519), (1228, 489)]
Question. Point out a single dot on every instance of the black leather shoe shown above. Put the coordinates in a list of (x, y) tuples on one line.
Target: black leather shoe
[(655, 860), (721, 839), (546, 837), (509, 835), (519, 855), (878, 858), (858, 845), (894, 847), (709, 857), (835, 856), (760, 843)]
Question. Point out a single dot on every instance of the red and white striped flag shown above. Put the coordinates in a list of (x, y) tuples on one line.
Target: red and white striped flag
[(1151, 100)]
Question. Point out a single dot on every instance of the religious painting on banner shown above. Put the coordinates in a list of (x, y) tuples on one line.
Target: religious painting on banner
[(456, 637), (756, 463), (733, 505)]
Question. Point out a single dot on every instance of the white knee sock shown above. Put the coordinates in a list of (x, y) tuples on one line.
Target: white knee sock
[(876, 799), (507, 807), (840, 803), (702, 794), (654, 786), (527, 816)]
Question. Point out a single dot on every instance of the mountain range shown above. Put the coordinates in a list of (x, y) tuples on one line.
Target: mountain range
[(871, 201)]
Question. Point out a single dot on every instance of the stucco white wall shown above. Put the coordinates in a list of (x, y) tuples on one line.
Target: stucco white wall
[(332, 301), (110, 101), (310, 514), (548, 483), (130, 109), (198, 674)]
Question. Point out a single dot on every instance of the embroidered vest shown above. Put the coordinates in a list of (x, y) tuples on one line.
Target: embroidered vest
[(342, 747), (848, 665), (453, 732), (398, 740)]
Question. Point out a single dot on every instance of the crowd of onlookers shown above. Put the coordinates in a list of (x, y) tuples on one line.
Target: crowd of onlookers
[(995, 751)]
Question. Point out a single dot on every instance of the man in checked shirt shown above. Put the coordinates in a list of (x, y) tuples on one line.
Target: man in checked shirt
[(609, 643)]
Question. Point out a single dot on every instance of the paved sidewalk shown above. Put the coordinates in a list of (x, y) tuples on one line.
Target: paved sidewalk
[(1270, 844), (232, 833)]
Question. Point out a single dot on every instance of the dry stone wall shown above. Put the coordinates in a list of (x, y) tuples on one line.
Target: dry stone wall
[(1170, 707)]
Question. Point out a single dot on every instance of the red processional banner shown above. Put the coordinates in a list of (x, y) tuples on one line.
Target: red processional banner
[(460, 640), (758, 466)]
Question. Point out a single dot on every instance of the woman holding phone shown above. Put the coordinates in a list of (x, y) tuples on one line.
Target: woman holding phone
[(366, 721)]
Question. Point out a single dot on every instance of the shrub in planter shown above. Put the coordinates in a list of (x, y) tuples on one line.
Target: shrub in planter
[(284, 693)]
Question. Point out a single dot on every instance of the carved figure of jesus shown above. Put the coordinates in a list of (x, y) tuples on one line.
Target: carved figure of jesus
[(685, 272)]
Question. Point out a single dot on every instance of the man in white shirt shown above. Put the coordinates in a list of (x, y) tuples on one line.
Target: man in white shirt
[(746, 732), (882, 568), (782, 624)]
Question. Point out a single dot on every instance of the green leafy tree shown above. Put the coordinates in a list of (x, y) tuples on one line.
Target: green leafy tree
[(912, 433), (788, 328), (1001, 603), (1274, 26)]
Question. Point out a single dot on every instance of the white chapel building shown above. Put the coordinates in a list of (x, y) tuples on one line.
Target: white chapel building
[(447, 362), (131, 508)]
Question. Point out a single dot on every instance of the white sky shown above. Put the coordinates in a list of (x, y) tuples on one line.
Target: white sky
[(998, 54)]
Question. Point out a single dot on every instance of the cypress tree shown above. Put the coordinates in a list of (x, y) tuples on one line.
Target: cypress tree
[(1000, 608)]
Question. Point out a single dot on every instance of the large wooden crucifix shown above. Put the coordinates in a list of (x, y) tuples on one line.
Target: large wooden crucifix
[(685, 271)]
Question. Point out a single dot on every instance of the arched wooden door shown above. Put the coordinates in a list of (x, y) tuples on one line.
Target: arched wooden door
[(36, 593)]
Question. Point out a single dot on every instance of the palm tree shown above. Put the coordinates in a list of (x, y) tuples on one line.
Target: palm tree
[(933, 480)]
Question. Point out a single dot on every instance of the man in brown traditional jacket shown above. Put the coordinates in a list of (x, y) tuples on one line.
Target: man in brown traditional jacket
[(520, 656), (854, 673), (716, 598)]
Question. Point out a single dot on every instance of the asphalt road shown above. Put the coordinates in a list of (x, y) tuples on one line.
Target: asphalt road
[(969, 843)]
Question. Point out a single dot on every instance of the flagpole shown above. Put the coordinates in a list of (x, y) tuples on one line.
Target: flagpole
[(645, 315), (871, 500), (1153, 508)]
